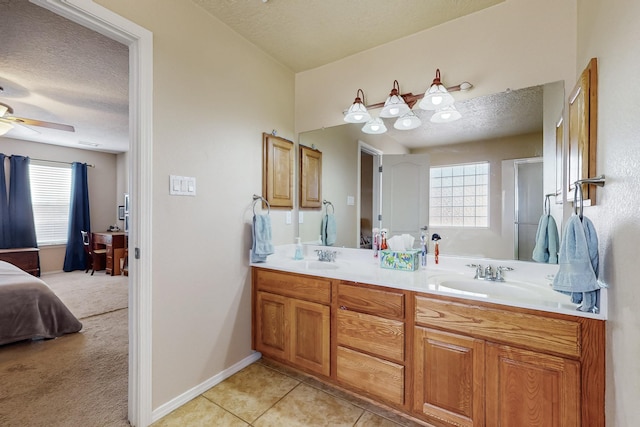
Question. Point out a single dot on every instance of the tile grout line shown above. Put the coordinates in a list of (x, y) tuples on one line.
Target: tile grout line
[(271, 407)]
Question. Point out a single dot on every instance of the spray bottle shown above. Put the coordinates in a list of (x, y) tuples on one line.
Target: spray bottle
[(376, 242)]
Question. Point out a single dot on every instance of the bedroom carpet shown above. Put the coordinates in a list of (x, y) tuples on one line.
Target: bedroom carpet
[(78, 379), (87, 295)]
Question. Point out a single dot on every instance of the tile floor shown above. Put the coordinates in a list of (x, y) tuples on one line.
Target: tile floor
[(267, 394)]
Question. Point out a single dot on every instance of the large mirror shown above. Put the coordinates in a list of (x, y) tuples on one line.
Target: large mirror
[(511, 135)]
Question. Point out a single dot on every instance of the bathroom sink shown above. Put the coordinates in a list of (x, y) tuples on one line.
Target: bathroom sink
[(321, 265)]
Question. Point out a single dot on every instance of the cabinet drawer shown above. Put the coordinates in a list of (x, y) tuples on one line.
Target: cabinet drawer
[(374, 376), (296, 286), (372, 334), (372, 301), (523, 329)]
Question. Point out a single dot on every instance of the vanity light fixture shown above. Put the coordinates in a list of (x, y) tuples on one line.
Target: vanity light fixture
[(395, 106), (436, 96), (408, 121), (374, 127), (446, 114), (357, 113)]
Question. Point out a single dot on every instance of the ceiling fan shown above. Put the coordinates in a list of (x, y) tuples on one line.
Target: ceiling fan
[(7, 120)]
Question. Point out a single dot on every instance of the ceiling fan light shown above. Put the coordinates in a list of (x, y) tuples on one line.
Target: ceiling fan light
[(5, 127), (446, 114), (357, 112), (436, 96), (374, 127), (407, 122)]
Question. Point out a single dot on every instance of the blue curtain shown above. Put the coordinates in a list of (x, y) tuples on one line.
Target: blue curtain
[(5, 229), (23, 229), (75, 257)]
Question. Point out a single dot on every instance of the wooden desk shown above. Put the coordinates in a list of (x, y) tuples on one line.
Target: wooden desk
[(26, 259), (115, 244)]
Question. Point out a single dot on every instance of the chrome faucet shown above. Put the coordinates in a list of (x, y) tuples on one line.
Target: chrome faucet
[(489, 272), (326, 255)]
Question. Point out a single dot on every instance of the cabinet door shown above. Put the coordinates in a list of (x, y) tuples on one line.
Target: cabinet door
[(310, 336), (449, 378), (272, 334), (526, 388)]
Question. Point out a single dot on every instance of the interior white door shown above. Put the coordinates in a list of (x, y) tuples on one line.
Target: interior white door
[(405, 193)]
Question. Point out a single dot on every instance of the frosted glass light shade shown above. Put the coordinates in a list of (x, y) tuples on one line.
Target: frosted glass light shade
[(374, 127), (407, 122), (5, 127), (357, 113), (446, 114), (436, 97), (394, 106)]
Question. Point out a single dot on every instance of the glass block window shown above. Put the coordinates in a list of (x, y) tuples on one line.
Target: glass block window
[(459, 195)]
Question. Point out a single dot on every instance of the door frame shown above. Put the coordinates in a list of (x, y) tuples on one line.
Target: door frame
[(140, 43), (363, 147)]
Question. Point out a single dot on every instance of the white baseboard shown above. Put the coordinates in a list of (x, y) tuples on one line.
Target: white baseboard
[(196, 391)]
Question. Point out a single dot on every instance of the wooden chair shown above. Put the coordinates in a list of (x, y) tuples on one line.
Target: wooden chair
[(93, 255)]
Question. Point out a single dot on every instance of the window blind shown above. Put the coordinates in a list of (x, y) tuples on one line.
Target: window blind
[(51, 195)]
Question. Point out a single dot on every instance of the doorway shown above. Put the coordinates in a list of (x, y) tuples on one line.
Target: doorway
[(369, 189)]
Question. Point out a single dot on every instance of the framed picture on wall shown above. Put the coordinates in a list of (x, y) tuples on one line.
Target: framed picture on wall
[(120, 213)]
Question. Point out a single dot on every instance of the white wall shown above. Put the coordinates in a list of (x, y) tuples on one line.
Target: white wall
[(514, 44), (102, 187), (609, 31), (214, 95)]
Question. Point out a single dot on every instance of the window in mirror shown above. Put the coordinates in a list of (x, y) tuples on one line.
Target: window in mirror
[(459, 195)]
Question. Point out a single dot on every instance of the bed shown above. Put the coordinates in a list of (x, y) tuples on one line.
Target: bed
[(29, 309)]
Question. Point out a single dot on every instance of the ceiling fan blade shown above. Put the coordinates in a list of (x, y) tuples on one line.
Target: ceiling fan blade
[(41, 123)]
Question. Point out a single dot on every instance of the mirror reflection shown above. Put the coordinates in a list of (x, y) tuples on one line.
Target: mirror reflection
[(484, 185)]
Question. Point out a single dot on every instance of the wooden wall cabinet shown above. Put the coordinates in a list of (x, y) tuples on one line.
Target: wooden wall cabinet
[(277, 170), (310, 178), (292, 319)]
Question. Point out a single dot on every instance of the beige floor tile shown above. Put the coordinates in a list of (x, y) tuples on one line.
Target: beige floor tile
[(250, 392), (306, 406), (369, 419), (200, 412)]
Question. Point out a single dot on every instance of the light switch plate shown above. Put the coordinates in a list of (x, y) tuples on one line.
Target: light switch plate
[(182, 185), (300, 217), (287, 219), (351, 200)]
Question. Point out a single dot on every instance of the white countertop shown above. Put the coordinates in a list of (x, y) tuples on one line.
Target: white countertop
[(527, 286)]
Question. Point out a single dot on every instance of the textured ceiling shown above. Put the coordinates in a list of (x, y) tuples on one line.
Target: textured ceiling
[(307, 34), (55, 70)]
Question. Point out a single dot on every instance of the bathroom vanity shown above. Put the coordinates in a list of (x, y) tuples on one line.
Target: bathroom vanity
[(428, 345)]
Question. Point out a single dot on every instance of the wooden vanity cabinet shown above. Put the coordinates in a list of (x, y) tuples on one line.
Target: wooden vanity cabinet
[(484, 365), (292, 319), (370, 341)]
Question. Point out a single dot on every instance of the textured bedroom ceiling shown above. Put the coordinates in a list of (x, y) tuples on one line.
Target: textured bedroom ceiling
[(55, 70)]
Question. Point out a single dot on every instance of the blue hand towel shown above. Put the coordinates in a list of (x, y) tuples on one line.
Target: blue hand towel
[(578, 259), (547, 239), (261, 232), (328, 230)]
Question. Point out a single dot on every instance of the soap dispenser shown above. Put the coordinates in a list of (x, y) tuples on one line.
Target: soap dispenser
[(298, 255)]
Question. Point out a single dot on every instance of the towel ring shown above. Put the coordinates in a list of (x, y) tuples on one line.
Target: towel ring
[(255, 200), (327, 204), (599, 181), (547, 205)]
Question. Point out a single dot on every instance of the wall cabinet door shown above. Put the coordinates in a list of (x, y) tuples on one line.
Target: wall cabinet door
[(293, 330), (310, 336), (449, 378), (532, 389)]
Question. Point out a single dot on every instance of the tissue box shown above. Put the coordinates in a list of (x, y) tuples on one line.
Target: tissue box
[(400, 260)]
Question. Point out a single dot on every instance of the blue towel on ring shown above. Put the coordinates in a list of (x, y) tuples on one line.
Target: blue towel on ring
[(261, 232), (547, 239), (328, 230), (578, 262)]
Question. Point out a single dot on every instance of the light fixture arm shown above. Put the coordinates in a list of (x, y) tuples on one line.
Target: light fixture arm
[(411, 99)]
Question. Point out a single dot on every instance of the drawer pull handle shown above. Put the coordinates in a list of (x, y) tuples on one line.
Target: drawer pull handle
[(342, 307)]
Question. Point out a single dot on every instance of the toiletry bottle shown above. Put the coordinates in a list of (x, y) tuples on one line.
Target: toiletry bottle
[(424, 245), (383, 239), (436, 250), (375, 244), (298, 254)]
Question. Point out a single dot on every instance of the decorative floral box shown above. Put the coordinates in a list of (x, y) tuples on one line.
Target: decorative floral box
[(405, 260)]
